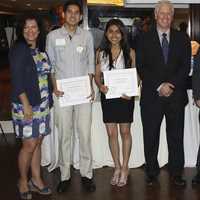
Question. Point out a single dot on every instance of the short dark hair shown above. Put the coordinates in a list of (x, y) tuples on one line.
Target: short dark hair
[(72, 2)]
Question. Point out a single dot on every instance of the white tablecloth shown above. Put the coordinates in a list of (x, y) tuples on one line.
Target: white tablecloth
[(100, 148)]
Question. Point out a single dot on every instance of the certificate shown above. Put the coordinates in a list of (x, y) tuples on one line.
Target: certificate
[(122, 81), (76, 90)]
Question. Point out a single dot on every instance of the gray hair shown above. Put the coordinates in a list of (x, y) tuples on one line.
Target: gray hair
[(164, 2)]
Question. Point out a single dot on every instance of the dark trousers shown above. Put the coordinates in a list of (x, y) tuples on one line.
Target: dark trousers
[(152, 116)]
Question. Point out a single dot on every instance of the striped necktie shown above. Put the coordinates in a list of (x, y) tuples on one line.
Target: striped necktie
[(165, 46)]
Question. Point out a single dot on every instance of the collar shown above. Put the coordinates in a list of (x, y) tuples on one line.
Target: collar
[(161, 32), (66, 33)]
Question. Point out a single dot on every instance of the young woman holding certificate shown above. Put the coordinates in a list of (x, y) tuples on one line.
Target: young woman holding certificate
[(114, 53)]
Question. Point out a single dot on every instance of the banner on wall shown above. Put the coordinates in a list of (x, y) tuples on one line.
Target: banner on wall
[(155, 1)]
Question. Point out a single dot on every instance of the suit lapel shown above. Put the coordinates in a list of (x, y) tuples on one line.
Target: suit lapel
[(157, 46), (171, 45)]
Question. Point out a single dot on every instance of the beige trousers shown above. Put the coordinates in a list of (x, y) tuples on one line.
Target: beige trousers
[(66, 118)]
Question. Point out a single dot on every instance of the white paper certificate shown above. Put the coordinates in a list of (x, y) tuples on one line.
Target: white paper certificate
[(76, 90), (122, 81)]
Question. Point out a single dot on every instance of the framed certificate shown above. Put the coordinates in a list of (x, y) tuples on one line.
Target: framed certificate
[(122, 81), (76, 90)]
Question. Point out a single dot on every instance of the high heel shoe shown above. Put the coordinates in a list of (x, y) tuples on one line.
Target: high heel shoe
[(24, 195), (35, 188), (123, 179), (115, 178)]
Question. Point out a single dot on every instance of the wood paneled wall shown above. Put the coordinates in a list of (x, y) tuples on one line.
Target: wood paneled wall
[(195, 21)]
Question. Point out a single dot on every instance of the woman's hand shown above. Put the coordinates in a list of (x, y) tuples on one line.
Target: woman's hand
[(27, 108), (58, 93), (28, 112), (103, 89), (198, 103), (125, 97)]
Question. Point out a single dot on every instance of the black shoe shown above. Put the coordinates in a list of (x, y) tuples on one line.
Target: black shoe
[(88, 184), (179, 181), (196, 179), (63, 186), (150, 180)]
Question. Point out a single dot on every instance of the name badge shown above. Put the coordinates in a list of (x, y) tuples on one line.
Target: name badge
[(60, 42), (79, 49)]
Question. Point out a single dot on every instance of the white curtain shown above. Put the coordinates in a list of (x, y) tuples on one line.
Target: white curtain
[(100, 148), (11, 35)]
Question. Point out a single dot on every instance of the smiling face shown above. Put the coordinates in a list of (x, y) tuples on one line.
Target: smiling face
[(114, 35), (73, 15), (164, 17), (31, 31)]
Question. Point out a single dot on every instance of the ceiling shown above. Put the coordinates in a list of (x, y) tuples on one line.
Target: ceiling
[(13, 6), (19, 6)]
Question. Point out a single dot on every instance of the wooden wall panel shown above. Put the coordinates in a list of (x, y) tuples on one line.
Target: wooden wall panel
[(195, 21)]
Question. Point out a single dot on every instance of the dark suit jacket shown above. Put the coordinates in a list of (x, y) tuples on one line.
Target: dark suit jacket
[(196, 77), (24, 75), (153, 71)]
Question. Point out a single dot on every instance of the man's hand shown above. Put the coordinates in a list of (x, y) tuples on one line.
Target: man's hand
[(166, 89)]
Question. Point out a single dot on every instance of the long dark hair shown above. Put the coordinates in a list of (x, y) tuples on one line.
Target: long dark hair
[(106, 45), (20, 29)]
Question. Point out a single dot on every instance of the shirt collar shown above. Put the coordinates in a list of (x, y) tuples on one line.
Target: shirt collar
[(65, 32), (161, 32)]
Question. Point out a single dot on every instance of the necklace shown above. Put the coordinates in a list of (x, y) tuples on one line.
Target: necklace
[(115, 56)]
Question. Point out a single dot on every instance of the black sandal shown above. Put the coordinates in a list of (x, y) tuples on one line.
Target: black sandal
[(24, 195)]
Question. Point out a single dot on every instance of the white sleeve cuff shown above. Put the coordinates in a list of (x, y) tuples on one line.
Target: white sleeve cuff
[(158, 89)]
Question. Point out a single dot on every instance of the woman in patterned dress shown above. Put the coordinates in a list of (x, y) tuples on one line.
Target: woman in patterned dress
[(31, 99)]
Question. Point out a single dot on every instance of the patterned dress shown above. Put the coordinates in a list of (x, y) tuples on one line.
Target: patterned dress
[(39, 124)]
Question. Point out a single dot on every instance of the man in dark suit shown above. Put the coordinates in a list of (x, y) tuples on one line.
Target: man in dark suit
[(163, 64)]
